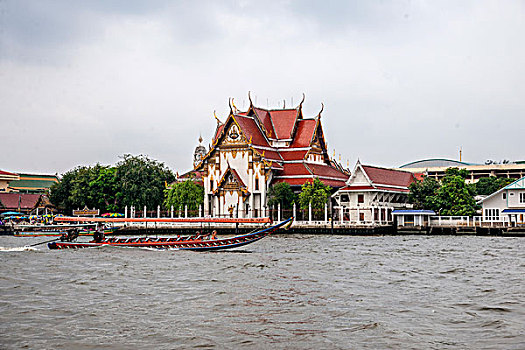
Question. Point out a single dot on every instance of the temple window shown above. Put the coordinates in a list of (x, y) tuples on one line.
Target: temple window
[(360, 198), (257, 184)]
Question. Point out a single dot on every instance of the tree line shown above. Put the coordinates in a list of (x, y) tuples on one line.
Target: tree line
[(134, 180), (140, 181)]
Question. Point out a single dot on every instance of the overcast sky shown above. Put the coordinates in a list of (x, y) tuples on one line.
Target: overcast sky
[(86, 82)]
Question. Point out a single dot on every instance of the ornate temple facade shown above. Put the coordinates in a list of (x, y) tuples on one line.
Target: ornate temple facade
[(255, 149)]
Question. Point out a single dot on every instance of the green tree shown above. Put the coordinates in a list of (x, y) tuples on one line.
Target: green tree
[(188, 193), (60, 192), (423, 193), (103, 189), (135, 180), (281, 193), (488, 185), (141, 181), (455, 197), (314, 192)]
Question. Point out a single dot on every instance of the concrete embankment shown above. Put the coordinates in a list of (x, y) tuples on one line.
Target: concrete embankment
[(324, 229)]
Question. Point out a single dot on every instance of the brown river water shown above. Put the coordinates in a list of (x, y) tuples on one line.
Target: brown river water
[(283, 292)]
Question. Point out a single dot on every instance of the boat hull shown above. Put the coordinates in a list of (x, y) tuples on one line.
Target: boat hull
[(176, 243)]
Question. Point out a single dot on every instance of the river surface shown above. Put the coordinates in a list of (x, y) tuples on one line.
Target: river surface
[(284, 292)]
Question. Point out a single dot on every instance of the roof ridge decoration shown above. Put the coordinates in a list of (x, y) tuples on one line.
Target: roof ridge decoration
[(234, 106), (298, 117), (300, 107), (322, 141), (259, 122), (321, 111), (217, 118)]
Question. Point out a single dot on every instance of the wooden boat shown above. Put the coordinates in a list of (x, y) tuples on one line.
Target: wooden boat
[(198, 243)]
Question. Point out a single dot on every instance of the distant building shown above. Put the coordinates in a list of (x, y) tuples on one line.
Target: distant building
[(32, 183), (26, 203), (5, 179), (255, 149), (372, 193), (506, 205), (436, 168)]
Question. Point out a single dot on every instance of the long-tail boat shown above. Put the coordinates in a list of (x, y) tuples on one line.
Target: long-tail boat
[(197, 242)]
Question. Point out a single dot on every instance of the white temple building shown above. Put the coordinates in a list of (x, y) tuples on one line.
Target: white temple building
[(372, 193)]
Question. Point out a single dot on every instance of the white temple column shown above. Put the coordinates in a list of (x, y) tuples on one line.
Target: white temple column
[(251, 188), (310, 212), (200, 210), (278, 212), (295, 211), (185, 211), (171, 212), (144, 211), (158, 211), (126, 212), (325, 212)]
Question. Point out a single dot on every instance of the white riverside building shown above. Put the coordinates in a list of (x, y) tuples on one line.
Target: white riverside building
[(372, 193), (506, 205)]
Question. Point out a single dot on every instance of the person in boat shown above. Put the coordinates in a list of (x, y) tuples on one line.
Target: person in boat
[(98, 235), (69, 235), (214, 235)]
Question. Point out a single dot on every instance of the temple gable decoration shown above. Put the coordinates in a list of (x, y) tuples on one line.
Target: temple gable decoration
[(231, 182)]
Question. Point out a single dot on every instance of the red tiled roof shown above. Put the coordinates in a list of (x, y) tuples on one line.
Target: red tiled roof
[(265, 118), (7, 173), (377, 188), (218, 132), (251, 130), (269, 154), (419, 176), (283, 122), (305, 132), (383, 176), (328, 171), (301, 181), (291, 169), (293, 155), (27, 201)]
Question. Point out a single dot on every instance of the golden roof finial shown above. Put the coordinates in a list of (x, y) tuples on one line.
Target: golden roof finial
[(217, 118)]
